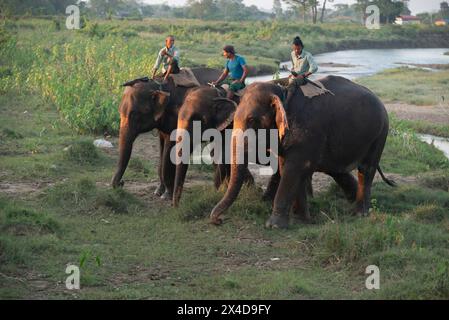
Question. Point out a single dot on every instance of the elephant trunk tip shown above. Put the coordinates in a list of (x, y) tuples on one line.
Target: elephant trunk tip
[(116, 183), (215, 215)]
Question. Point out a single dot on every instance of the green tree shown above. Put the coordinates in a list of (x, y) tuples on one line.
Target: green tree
[(389, 9), (444, 10), (277, 9), (302, 6), (202, 9)]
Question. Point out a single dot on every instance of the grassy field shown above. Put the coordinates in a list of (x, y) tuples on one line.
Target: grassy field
[(57, 208), (415, 87), (80, 71)]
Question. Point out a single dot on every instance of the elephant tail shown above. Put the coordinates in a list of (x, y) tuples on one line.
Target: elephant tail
[(386, 180)]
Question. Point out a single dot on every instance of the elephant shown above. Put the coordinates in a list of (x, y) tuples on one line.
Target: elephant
[(328, 133), (205, 104), (148, 105)]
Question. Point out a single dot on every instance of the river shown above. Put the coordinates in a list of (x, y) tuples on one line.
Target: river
[(353, 64)]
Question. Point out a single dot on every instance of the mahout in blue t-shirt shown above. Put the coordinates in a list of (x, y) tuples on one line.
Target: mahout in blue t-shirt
[(235, 66)]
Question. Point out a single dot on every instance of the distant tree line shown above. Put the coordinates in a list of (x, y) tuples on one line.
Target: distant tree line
[(308, 11), (199, 9)]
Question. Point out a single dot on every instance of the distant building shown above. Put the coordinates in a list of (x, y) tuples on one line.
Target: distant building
[(442, 22), (403, 19)]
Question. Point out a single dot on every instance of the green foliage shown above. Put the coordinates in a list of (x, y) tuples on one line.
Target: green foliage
[(436, 180), (81, 152), (83, 196), (414, 155), (80, 71), (20, 221), (410, 85)]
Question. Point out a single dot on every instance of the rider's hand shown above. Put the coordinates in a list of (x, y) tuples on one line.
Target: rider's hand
[(235, 81)]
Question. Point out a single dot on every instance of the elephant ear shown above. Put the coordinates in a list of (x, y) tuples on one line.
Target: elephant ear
[(281, 115), (160, 100), (224, 112)]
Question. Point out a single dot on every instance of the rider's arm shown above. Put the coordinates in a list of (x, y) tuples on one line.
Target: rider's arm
[(244, 67), (223, 76), (158, 62), (313, 67), (245, 73)]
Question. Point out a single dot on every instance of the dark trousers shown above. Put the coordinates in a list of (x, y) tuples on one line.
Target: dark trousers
[(174, 67)]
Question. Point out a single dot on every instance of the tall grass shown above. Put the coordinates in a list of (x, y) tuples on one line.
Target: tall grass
[(80, 71)]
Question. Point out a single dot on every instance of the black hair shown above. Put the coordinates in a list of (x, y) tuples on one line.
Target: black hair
[(229, 49), (298, 42)]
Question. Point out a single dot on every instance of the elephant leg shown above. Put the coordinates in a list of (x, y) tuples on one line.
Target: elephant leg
[(272, 187), (365, 180), (366, 172), (249, 179), (273, 184), (348, 183), (168, 171), (309, 187), (286, 193), (222, 174), (161, 188), (300, 208)]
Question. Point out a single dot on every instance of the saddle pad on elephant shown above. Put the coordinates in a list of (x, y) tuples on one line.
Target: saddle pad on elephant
[(316, 88), (185, 78), (310, 89), (238, 93)]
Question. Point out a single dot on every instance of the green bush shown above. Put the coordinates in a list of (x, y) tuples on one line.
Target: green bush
[(82, 152)]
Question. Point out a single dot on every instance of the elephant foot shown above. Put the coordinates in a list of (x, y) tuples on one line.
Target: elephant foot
[(361, 212), (159, 190), (167, 195), (277, 221)]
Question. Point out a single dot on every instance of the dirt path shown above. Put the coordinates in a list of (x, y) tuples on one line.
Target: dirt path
[(434, 114)]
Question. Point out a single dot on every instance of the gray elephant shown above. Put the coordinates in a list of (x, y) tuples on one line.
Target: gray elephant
[(333, 134), (206, 105), (148, 105)]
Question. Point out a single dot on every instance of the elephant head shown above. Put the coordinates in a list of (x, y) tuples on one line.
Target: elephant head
[(201, 104), (141, 109), (261, 107)]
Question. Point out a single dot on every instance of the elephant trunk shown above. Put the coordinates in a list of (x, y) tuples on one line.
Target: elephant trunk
[(181, 166), (181, 171), (126, 141), (238, 173)]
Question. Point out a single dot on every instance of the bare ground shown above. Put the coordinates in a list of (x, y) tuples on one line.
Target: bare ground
[(434, 114)]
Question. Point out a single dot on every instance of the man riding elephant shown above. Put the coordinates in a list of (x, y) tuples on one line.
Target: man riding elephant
[(330, 133), (147, 105), (303, 65), (238, 70), (169, 56)]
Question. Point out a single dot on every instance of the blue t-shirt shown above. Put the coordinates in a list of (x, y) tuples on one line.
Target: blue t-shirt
[(235, 66)]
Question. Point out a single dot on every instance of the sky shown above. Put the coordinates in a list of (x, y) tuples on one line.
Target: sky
[(416, 6)]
